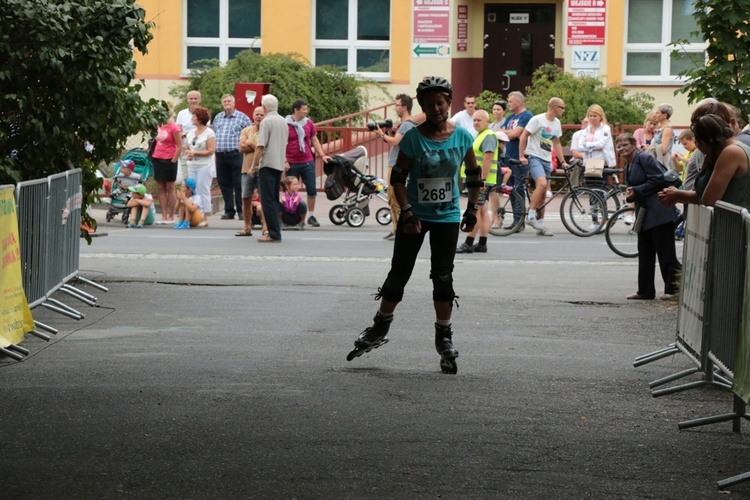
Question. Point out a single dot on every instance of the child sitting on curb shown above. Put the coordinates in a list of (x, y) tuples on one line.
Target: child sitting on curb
[(141, 204), (292, 209), (189, 206)]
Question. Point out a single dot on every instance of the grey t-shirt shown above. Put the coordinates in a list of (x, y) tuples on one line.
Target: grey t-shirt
[(402, 129), (273, 136)]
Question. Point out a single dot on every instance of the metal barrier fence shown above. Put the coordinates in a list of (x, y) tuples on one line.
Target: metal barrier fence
[(714, 317), (49, 227)]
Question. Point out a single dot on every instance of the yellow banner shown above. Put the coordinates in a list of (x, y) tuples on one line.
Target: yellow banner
[(15, 315)]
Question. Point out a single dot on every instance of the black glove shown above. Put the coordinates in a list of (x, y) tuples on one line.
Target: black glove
[(469, 219)]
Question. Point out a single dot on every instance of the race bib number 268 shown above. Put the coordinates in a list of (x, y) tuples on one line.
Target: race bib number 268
[(435, 190)]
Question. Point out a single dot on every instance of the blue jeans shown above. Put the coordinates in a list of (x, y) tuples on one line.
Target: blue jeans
[(305, 173), (269, 184)]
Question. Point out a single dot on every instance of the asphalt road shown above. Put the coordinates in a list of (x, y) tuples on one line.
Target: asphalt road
[(215, 368)]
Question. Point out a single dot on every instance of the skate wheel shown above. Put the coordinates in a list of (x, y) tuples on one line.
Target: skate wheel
[(351, 355), (449, 366)]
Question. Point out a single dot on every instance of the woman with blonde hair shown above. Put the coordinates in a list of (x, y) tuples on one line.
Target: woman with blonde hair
[(644, 136), (167, 151), (596, 140)]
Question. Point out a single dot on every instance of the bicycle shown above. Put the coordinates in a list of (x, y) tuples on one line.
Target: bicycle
[(582, 210)]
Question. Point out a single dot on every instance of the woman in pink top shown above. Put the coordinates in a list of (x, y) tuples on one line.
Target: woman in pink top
[(643, 136), (164, 160)]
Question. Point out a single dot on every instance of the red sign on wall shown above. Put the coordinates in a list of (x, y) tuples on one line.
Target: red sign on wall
[(586, 22), (462, 33), (431, 21)]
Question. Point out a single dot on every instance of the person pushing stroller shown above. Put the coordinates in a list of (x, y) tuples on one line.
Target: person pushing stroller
[(425, 182)]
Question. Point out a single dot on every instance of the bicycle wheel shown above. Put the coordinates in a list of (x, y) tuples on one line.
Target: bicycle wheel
[(620, 235), (612, 202), (583, 212), (511, 214)]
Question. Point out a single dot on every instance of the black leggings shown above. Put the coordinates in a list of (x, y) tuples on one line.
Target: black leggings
[(443, 241)]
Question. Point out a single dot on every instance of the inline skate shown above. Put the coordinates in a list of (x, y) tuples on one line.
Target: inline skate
[(444, 347), (371, 337)]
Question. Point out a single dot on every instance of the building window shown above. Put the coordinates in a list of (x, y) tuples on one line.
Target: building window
[(354, 35), (652, 26), (219, 29)]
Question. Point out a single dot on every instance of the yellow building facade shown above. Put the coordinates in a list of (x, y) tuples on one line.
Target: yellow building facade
[(476, 44)]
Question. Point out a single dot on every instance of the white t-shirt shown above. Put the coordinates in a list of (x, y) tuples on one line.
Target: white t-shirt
[(185, 121), (463, 120), (542, 133), (198, 143)]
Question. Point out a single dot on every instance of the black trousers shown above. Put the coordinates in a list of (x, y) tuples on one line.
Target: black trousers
[(652, 243), (229, 178)]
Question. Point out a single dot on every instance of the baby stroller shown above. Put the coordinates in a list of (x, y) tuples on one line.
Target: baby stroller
[(346, 175), (119, 194)]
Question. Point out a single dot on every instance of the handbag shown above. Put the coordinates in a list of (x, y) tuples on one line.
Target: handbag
[(594, 167), (638, 224), (151, 148)]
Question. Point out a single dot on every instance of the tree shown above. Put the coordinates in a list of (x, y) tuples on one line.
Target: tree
[(329, 92), (722, 72), (66, 75)]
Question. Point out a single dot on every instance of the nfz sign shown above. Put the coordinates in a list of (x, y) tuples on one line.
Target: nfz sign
[(586, 58)]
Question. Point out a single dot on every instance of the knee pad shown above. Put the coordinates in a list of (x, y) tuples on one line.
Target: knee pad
[(442, 287)]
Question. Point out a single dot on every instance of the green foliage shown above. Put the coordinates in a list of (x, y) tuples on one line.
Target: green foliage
[(329, 92), (579, 93), (66, 76), (486, 98), (725, 27)]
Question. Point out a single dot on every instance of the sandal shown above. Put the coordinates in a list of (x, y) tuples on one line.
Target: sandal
[(244, 232), (268, 239)]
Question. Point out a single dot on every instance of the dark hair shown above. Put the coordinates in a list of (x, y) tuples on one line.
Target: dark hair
[(405, 101), (712, 108), (502, 104), (711, 129), (298, 104), (202, 115)]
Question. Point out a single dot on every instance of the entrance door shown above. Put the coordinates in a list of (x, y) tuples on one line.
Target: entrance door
[(518, 39)]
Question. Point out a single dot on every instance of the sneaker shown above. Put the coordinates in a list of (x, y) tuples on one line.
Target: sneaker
[(629, 220), (592, 228), (533, 222), (480, 248), (505, 189), (543, 231), (389, 236), (202, 224), (130, 225), (284, 227), (139, 226), (312, 221), (301, 226), (227, 217), (186, 225), (464, 248)]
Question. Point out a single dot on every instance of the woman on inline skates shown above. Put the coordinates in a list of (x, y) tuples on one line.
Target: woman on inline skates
[(425, 182)]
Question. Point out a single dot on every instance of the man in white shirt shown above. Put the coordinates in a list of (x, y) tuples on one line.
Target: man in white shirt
[(465, 118), (185, 121), (540, 136)]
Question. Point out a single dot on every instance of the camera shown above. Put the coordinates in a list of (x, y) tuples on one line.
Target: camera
[(388, 123)]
